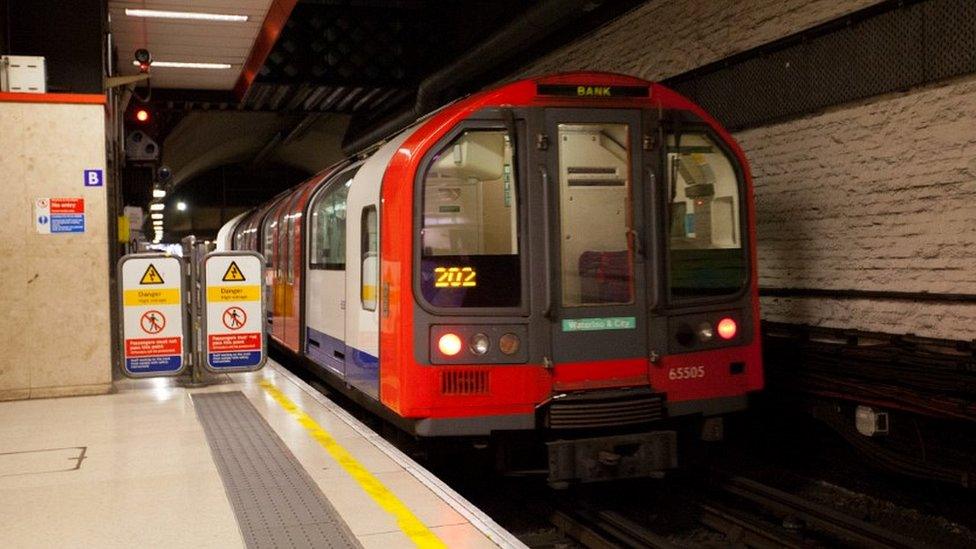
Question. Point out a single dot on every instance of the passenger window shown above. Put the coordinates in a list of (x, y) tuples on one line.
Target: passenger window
[(370, 246), (328, 228), (705, 244), (470, 226), (596, 214)]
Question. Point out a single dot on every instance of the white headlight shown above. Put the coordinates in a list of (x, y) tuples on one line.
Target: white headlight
[(480, 344)]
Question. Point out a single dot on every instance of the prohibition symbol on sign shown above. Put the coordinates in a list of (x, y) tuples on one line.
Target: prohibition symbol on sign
[(234, 318), (152, 322)]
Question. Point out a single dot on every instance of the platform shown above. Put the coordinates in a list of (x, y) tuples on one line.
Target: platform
[(158, 465)]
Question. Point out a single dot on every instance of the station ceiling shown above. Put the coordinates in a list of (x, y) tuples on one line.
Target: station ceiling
[(303, 71), (198, 41)]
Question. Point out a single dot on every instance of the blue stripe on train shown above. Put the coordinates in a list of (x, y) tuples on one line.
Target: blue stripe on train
[(358, 368)]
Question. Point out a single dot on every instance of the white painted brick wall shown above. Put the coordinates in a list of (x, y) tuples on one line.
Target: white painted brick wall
[(878, 195)]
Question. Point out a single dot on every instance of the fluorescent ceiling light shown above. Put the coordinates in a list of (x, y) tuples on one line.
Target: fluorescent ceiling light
[(186, 65), (156, 216), (166, 14), (157, 206), (157, 222), (159, 193)]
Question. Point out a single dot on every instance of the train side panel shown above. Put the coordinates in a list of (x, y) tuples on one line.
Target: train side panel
[(363, 213)]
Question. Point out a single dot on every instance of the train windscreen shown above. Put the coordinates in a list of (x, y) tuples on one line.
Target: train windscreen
[(705, 243), (469, 231)]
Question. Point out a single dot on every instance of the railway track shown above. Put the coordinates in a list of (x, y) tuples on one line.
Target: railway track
[(746, 513), (818, 517), (606, 529)]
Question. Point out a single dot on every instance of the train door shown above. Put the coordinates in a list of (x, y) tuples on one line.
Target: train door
[(325, 288), (291, 275), (597, 291), (290, 280)]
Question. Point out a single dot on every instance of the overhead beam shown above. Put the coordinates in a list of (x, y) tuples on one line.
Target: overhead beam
[(274, 22)]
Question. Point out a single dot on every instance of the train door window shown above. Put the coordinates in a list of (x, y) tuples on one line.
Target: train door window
[(596, 214), (705, 249), (469, 231), (370, 246), (328, 226)]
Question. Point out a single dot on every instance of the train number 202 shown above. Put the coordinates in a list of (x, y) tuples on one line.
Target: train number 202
[(455, 277), (688, 372)]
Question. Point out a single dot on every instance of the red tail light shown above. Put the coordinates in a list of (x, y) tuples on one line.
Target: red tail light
[(449, 344), (727, 328)]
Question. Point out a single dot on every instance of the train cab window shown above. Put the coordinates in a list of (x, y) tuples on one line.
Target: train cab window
[(469, 229), (328, 226), (596, 215), (238, 240), (370, 247), (289, 245), (705, 247), (281, 230), (269, 229)]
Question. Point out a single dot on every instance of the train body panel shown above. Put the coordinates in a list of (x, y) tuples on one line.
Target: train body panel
[(550, 249), (362, 270)]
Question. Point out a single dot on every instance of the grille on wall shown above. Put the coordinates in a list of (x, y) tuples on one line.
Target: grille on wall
[(889, 47), (464, 382)]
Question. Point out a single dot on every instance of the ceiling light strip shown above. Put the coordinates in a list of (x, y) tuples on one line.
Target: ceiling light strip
[(192, 15), (186, 65)]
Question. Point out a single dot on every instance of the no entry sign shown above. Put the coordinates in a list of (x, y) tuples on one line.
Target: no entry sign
[(153, 338), (233, 312)]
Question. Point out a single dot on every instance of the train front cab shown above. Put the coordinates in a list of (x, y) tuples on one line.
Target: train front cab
[(579, 266)]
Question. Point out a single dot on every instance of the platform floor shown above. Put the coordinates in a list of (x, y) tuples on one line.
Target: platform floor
[(134, 468)]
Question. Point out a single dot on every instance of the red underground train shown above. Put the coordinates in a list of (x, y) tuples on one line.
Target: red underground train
[(569, 258)]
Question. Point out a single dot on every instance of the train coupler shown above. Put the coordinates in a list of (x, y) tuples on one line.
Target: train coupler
[(613, 457)]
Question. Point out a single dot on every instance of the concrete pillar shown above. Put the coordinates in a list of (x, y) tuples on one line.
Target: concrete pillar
[(54, 288)]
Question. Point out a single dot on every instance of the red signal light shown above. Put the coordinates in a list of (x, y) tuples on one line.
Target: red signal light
[(727, 328), (142, 115), (449, 344)]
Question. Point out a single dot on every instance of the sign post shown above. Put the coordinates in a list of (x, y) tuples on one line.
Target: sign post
[(233, 312), (153, 328)]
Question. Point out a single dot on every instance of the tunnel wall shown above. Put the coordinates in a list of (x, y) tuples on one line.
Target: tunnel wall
[(877, 195), (54, 288)]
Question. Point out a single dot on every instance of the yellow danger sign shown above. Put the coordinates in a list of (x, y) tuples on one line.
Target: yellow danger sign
[(233, 273), (141, 298), (234, 293), (151, 276)]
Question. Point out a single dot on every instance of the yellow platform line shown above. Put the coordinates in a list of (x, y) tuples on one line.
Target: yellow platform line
[(414, 529)]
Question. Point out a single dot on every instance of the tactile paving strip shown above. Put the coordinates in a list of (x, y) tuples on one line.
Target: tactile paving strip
[(276, 502)]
